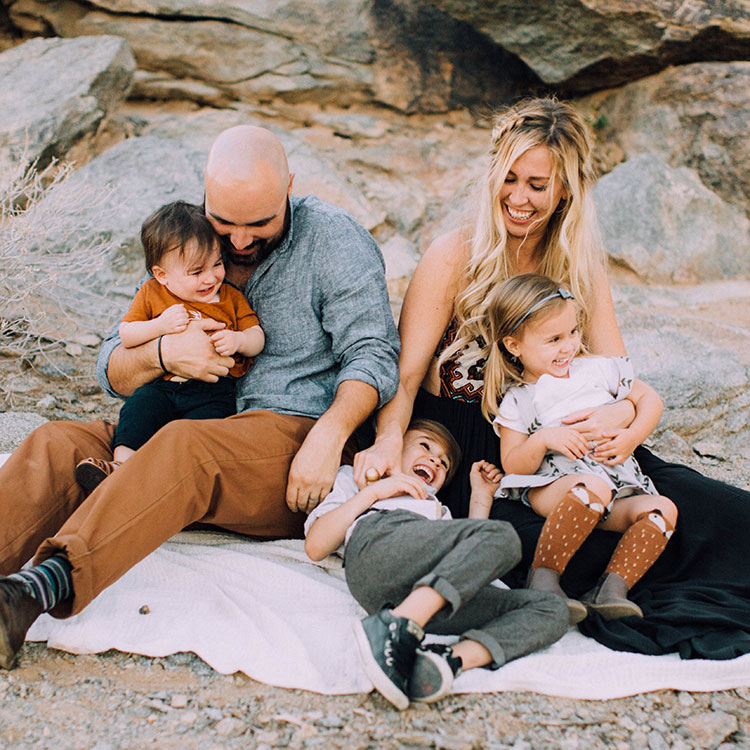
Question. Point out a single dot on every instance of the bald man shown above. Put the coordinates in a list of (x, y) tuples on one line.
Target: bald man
[(316, 280)]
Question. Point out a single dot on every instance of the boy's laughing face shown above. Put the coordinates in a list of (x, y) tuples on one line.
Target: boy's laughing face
[(425, 457)]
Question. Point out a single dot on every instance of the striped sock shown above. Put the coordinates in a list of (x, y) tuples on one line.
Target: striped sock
[(49, 583)]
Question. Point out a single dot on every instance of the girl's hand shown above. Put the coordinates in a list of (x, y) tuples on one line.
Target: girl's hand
[(616, 447), (565, 440), (384, 457), (225, 342), (174, 319), (398, 484)]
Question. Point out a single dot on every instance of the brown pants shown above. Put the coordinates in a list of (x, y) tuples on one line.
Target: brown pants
[(230, 473)]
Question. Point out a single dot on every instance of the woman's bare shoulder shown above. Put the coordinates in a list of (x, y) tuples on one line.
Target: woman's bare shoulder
[(451, 247)]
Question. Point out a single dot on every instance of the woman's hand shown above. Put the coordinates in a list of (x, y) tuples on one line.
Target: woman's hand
[(593, 423), (616, 447), (383, 457)]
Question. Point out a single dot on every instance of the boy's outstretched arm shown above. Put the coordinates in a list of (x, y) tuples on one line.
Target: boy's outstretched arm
[(327, 532), (484, 479)]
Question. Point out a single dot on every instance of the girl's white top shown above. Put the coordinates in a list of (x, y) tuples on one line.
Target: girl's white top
[(591, 382)]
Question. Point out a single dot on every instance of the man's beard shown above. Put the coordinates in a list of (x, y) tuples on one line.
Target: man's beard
[(260, 249)]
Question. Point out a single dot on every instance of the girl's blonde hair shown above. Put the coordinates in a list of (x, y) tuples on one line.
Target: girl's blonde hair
[(511, 307), (570, 252)]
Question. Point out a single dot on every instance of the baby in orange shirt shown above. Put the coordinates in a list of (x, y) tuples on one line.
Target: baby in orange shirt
[(183, 256)]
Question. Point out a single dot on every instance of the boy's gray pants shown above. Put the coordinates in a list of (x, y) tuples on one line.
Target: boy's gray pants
[(391, 553)]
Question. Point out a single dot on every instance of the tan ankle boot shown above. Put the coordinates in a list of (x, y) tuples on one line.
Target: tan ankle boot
[(548, 580), (609, 598)]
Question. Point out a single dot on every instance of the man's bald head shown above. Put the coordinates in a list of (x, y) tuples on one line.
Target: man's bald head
[(247, 185), (244, 153)]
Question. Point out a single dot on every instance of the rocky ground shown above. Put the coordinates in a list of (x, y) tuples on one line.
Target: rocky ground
[(113, 700), (117, 701)]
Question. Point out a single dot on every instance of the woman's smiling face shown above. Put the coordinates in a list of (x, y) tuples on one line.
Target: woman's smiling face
[(529, 194)]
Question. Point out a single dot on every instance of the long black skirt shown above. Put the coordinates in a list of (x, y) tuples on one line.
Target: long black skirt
[(695, 598)]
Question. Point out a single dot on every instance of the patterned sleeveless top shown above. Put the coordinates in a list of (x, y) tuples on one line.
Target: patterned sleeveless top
[(460, 381)]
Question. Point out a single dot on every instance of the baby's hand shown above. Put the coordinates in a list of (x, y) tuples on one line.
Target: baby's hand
[(565, 440), (484, 478), (225, 342), (174, 319), (616, 447)]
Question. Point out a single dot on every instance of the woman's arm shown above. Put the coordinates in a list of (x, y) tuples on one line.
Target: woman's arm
[(604, 338), (603, 334), (620, 444), (426, 312)]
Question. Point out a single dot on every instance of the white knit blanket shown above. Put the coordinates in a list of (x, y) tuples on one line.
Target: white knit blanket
[(265, 610)]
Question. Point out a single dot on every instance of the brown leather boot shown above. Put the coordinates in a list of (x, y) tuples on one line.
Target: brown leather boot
[(610, 598), (548, 580), (18, 611)]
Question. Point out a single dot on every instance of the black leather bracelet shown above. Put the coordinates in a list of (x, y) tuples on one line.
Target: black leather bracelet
[(158, 349)]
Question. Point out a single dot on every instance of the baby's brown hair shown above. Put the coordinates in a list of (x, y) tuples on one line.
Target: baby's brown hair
[(171, 227)]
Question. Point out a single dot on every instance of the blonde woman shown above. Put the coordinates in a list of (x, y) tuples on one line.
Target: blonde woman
[(534, 214)]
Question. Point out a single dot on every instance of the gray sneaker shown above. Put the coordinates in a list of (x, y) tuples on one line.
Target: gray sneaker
[(387, 647), (434, 670)]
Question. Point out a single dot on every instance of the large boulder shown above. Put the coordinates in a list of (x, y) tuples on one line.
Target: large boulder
[(55, 91), (137, 175), (666, 226), (583, 45), (693, 115), (692, 344), (397, 52)]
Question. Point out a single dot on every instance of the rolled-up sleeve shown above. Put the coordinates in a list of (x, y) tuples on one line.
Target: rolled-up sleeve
[(355, 309), (105, 352), (102, 362)]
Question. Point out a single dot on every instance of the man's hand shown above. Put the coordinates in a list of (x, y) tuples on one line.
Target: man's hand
[(225, 342), (174, 319), (383, 456), (616, 447), (191, 354), (313, 470)]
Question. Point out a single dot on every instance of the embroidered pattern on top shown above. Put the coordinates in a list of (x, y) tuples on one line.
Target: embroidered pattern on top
[(458, 379)]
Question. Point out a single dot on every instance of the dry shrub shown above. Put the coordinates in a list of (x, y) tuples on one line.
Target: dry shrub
[(47, 288)]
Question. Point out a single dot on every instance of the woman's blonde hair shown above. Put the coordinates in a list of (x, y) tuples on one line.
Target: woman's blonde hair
[(511, 307), (570, 252)]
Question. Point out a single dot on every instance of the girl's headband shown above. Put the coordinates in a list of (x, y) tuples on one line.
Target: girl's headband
[(561, 293)]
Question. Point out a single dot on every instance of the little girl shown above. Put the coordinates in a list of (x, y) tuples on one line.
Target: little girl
[(537, 361)]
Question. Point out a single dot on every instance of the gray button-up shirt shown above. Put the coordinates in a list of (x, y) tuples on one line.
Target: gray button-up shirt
[(322, 302)]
